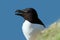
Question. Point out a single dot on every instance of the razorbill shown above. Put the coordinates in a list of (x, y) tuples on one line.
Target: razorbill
[(32, 24)]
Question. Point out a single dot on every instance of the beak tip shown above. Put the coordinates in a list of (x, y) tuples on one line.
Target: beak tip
[(19, 12), (15, 14)]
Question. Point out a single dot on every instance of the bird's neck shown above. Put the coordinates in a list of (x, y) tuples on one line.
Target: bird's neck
[(27, 24), (34, 20)]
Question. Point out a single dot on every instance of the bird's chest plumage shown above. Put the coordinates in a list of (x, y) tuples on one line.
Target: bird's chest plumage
[(30, 30)]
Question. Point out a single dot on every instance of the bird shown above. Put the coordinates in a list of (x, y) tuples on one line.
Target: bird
[(32, 25)]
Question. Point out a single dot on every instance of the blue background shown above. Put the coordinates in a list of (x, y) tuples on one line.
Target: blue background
[(10, 24)]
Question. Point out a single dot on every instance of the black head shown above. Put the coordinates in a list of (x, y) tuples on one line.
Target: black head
[(29, 14)]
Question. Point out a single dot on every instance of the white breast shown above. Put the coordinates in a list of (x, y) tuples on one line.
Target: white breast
[(30, 30)]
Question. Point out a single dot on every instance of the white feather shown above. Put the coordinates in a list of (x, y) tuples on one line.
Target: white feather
[(30, 30)]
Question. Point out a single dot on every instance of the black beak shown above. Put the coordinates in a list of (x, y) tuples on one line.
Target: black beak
[(19, 12)]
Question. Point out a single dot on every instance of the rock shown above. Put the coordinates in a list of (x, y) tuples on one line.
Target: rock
[(51, 33)]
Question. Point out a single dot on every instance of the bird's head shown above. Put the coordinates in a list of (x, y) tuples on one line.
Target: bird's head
[(28, 13)]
